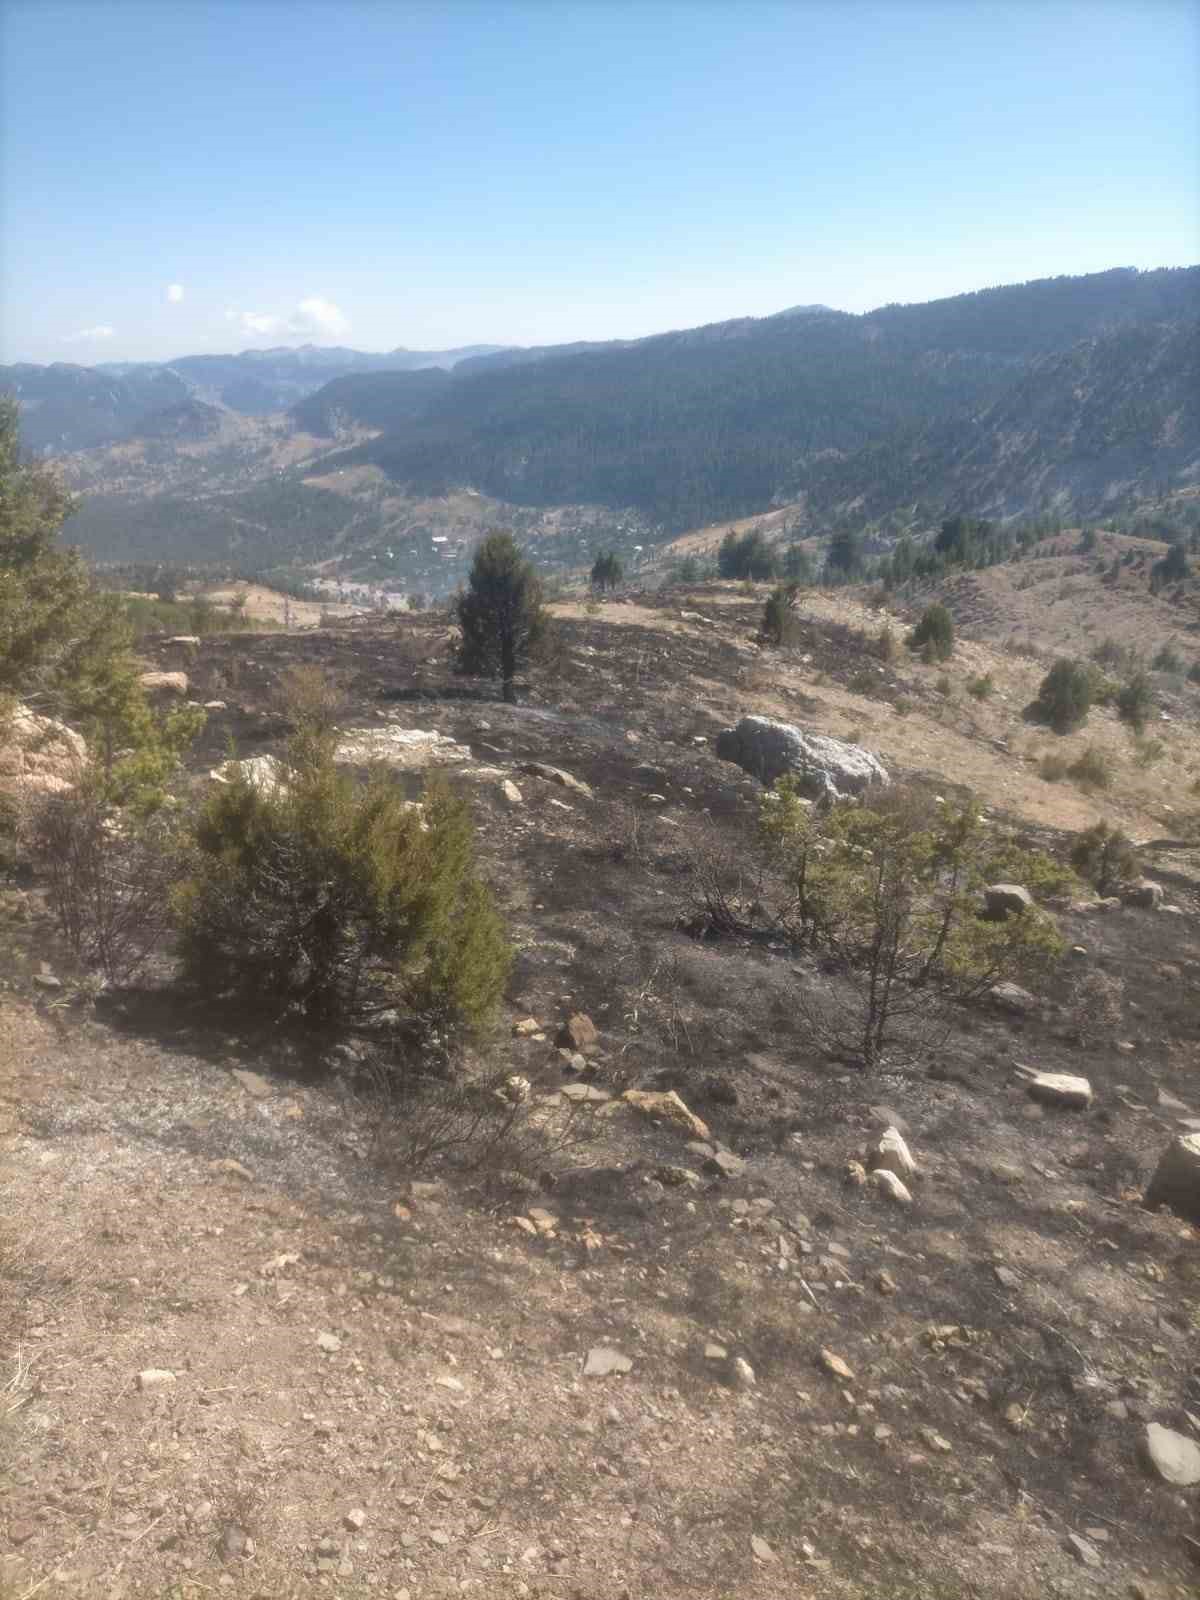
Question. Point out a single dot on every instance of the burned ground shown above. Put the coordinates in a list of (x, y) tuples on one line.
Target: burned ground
[(164, 1214)]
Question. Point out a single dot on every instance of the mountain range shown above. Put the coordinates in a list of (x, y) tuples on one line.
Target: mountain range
[(1069, 395)]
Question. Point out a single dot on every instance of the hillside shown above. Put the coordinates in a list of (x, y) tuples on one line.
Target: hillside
[(279, 1335), (1076, 397)]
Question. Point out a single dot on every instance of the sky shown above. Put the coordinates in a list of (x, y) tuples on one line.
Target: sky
[(185, 176)]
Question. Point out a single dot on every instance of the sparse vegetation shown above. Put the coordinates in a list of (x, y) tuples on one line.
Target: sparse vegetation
[(1092, 769), (746, 555), (1135, 701), (982, 687), (779, 620), (607, 571)]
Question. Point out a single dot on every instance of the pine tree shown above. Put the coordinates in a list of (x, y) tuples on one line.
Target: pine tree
[(500, 613)]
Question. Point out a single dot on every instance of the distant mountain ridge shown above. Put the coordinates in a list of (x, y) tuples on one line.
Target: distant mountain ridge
[(1077, 396)]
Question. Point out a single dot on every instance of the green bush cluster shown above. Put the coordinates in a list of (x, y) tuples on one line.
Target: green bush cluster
[(933, 635), (1065, 695), (1106, 858)]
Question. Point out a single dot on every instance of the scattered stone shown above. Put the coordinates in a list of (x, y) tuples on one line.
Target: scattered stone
[(666, 1106), (761, 1549), (233, 1543), (1061, 1089), (47, 980), (1083, 1550), (539, 769), (891, 1154), (1001, 899), (253, 1082), (164, 682), (883, 1178), (578, 1032), (884, 1117), (885, 1283), (602, 1361), (742, 1373), (1007, 1278), (516, 1089), (329, 1342), (934, 1441), (1174, 1456), (1012, 998), (526, 1028), (678, 1177), (836, 1367), (356, 1520), (21, 1531), (715, 1352), (724, 1164), (154, 1378), (403, 748), (825, 768), (1176, 1180), (584, 1094), (511, 793), (265, 774), (855, 1174), (233, 1169)]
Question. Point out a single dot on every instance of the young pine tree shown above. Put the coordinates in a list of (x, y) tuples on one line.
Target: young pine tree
[(500, 613)]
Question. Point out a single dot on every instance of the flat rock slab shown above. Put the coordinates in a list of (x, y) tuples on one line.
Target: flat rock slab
[(824, 768), (666, 1107), (1173, 1456), (253, 1082), (406, 748), (1061, 1089)]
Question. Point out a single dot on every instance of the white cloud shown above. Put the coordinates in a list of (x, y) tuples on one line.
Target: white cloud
[(316, 315), (174, 293), (87, 335), (313, 318)]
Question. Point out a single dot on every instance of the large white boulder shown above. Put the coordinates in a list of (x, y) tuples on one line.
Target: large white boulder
[(825, 768), (399, 747), (38, 756)]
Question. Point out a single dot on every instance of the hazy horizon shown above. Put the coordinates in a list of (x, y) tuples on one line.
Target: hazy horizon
[(204, 178)]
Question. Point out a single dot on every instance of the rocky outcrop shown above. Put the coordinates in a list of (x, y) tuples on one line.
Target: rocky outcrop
[(1001, 899), (165, 683), (1176, 1180), (406, 748), (38, 756), (824, 768)]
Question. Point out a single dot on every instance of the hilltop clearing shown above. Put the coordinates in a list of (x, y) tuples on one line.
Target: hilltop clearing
[(253, 1347)]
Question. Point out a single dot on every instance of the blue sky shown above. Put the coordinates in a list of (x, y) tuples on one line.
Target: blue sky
[(180, 177)]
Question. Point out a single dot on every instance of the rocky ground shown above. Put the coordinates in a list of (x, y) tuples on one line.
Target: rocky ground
[(250, 1349)]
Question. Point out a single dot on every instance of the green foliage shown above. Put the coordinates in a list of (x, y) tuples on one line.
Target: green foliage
[(1168, 659), (607, 571), (779, 623), (1065, 696), (981, 688), (934, 632), (195, 616), (1174, 567), (885, 644), (1135, 701), (844, 560), (338, 899), (746, 555), (890, 890), (1106, 858), (798, 565), (500, 613)]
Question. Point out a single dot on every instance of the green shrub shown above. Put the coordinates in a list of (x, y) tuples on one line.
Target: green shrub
[(779, 623), (1105, 857), (1148, 751), (500, 613), (1168, 659), (746, 555), (338, 899), (981, 688), (886, 645), (1053, 768), (1135, 701), (1065, 696), (934, 634), (945, 685)]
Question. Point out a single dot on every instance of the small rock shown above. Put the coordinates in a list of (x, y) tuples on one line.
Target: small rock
[(329, 1342), (154, 1378), (1061, 1089), (233, 1543), (836, 1367), (233, 1169), (356, 1520), (1003, 899), (666, 1106), (21, 1531), (1174, 1456), (934, 1441), (578, 1032), (891, 1154), (511, 793), (1176, 1180), (602, 1361), (47, 980), (678, 1177), (886, 1180), (584, 1094), (724, 1164), (715, 1352), (761, 1549), (516, 1089), (253, 1082), (526, 1028), (884, 1282), (1083, 1550), (742, 1373), (1144, 894), (1011, 997), (1007, 1278)]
